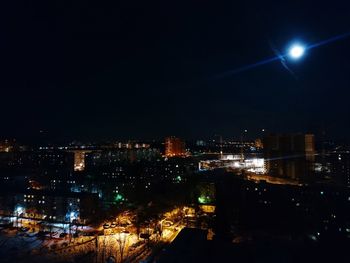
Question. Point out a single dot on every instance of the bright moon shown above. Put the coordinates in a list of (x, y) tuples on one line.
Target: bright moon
[(296, 51)]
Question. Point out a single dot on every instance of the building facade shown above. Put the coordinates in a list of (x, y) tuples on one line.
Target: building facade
[(174, 147), (290, 156)]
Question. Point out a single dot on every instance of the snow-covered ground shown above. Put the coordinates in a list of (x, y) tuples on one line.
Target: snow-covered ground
[(16, 246)]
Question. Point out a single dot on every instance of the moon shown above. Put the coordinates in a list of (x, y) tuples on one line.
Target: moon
[(296, 51)]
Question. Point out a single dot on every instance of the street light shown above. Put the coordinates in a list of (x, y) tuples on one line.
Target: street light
[(18, 211)]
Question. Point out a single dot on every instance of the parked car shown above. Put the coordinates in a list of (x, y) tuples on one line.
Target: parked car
[(55, 235), (23, 229), (167, 223), (62, 235)]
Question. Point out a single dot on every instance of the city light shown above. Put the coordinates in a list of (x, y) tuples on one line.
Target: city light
[(72, 216), (188, 133), (204, 199), (119, 198), (19, 210), (201, 200)]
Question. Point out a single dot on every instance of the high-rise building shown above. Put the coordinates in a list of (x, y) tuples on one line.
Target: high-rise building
[(174, 147), (290, 156), (79, 160)]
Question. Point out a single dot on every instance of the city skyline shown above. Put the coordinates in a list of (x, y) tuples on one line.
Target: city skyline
[(170, 132), (121, 201)]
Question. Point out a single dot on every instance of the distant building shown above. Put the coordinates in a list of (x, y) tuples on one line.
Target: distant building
[(10, 146), (96, 159), (201, 143), (53, 160), (339, 163), (79, 160), (258, 143), (6, 146), (60, 207), (290, 156), (174, 147)]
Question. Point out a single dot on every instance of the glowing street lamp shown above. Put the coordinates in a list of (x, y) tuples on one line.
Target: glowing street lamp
[(18, 211)]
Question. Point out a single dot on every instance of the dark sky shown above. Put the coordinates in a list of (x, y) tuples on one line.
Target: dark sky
[(140, 69)]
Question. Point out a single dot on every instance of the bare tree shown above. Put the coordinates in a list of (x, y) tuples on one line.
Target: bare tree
[(122, 239)]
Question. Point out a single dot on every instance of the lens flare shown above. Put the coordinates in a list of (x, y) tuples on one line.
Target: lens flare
[(296, 51)]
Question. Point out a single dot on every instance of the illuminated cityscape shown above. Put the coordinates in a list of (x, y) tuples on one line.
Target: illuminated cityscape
[(175, 132), (107, 201)]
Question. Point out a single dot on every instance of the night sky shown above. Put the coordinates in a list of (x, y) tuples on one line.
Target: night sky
[(144, 70)]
